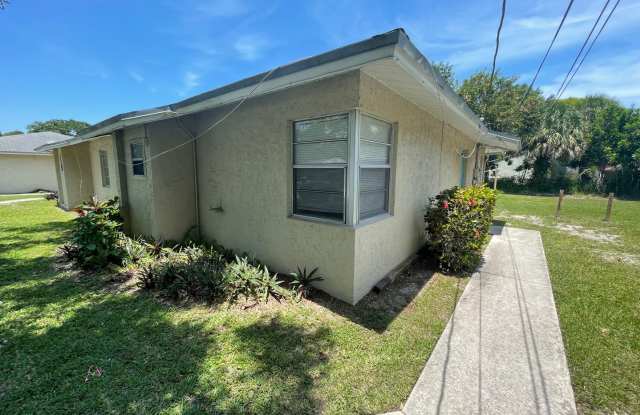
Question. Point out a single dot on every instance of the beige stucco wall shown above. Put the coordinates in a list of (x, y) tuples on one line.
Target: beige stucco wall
[(77, 178), (95, 146), (424, 164), (173, 187), (26, 173), (139, 188), (245, 172)]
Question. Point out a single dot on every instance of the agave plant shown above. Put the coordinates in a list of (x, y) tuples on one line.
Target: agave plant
[(302, 280)]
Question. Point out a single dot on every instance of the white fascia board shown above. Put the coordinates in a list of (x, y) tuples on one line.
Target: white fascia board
[(73, 141), (18, 153)]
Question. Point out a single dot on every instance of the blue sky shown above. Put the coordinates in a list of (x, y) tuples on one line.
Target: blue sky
[(89, 60)]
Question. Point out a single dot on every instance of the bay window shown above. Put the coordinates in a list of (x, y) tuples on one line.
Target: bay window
[(341, 167)]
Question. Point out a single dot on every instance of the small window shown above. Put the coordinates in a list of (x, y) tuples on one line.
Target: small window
[(463, 171), (375, 167), (104, 168), (320, 156), (137, 158)]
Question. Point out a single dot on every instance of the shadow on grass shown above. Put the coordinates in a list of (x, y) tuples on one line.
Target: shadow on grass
[(377, 310), (67, 346), (23, 237)]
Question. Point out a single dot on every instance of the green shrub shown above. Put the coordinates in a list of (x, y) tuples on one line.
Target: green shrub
[(301, 281), (189, 272), (251, 281), (97, 233), (457, 225)]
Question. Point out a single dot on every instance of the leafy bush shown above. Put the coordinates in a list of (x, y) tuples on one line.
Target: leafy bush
[(136, 250), (97, 233), (189, 272), (457, 224), (244, 279), (301, 281)]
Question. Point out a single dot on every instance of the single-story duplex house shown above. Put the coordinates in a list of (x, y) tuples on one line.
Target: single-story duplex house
[(325, 162), (24, 169)]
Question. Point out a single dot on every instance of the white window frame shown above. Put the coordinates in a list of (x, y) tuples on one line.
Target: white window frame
[(104, 168), (351, 171), (143, 159)]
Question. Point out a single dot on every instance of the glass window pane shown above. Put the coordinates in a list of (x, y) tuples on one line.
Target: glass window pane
[(321, 153), (138, 168), (104, 168), (319, 193), (374, 153), (375, 130), (137, 151), (325, 180), (374, 191), (372, 204), (329, 128)]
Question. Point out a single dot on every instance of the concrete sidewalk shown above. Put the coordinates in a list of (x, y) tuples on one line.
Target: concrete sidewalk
[(502, 351)]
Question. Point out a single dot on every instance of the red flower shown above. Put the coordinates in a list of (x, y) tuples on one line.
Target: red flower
[(445, 204), (472, 202)]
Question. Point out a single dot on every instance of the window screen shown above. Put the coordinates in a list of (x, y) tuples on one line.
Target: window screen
[(320, 156), (104, 168), (137, 159), (374, 159)]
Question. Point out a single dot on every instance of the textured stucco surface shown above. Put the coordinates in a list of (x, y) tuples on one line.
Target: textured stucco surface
[(95, 146), (245, 171), (26, 173), (424, 164), (77, 180)]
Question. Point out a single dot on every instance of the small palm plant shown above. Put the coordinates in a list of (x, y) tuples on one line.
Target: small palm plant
[(302, 280)]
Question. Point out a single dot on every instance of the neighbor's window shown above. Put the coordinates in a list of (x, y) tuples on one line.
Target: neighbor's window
[(375, 166), (104, 168), (137, 158), (320, 157)]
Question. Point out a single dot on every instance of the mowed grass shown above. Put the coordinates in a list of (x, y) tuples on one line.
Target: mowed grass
[(596, 283), (77, 343)]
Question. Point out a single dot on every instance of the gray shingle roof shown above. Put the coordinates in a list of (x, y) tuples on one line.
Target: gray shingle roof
[(27, 143)]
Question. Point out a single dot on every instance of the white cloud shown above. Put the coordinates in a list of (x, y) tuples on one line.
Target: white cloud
[(617, 77), (136, 76), (190, 80), (251, 47)]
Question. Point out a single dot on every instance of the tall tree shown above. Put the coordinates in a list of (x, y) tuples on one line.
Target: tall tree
[(68, 127), (14, 132), (560, 136), (498, 104), (445, 69)]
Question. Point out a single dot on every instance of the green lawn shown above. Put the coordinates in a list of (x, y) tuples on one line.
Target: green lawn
[(595, 271), (74, 343), (22, 196)]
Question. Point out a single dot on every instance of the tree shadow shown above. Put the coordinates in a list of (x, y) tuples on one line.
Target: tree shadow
[(23, 237), (378, 309)]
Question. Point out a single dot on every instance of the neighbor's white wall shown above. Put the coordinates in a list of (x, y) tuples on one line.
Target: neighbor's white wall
[(245, 183), (424, 165), (26, 173)]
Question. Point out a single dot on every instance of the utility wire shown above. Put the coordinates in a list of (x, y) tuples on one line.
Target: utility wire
[(211, 127), (566, 12), (590, 46), (586, 41), (495, 53)]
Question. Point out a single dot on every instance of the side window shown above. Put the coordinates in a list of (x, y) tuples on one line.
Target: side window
[(320, 157), (375, 167), (104, 168), (137, 158)]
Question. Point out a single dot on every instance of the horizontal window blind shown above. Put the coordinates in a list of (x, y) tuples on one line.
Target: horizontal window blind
[(374, 158)]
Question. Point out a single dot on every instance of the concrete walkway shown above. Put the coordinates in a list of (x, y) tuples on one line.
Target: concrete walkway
[(502, 351)]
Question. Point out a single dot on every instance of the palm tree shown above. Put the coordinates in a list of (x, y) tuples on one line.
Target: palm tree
[(561, 137)]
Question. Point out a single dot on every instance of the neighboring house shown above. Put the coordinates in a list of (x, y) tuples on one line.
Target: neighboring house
[(24, 169), (328, 164)]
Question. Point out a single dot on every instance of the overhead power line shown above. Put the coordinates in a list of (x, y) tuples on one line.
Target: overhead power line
[(595, 39), (533, 81), (495, 54), (584, 44)]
